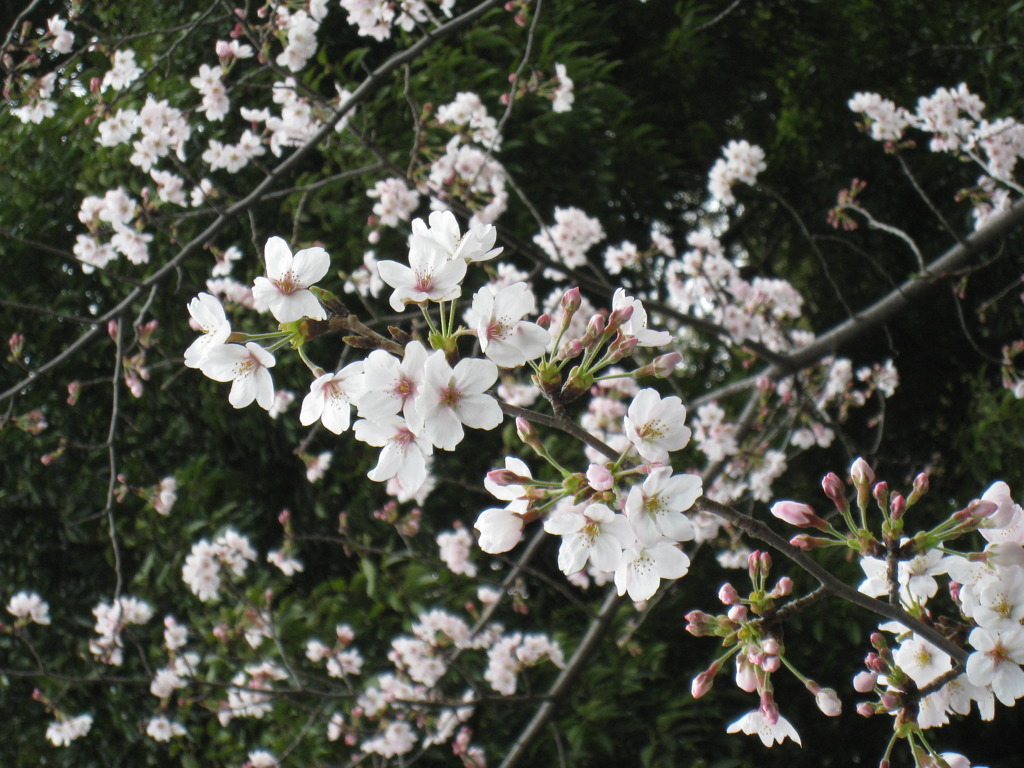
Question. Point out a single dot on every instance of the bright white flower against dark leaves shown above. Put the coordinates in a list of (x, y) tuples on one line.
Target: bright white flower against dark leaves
[(999, 604), (453, 397), (500, 529), (403, 453), (593, 533), (636, 326), (996, 663), (63, 731), (392, 385), (644, 564), (921, 660), (430, 276), (654, 425), (563, 96), (29, 605), (755, 723), (331, 396), (915, 576), (656, 508), (160, 728), (504, 336), (247, 367), (476, 245), (285, 289), (208, 315)]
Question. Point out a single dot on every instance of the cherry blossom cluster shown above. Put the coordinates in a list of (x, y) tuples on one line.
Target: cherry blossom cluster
[(916, 678), (638, 545), (757, 648), (954, 119), (111, 621)]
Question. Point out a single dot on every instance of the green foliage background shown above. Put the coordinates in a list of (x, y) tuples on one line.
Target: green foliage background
[(660, 87)]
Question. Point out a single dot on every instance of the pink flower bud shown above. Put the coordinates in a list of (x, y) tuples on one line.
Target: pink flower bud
[(571, 301), (728, 595), (980, 509), (891, 701), (881, 493), (921, 484), (622, 348), (771, 664), (800, 515), (544, 321), (503, 477), (702, 683), (783, 587), (828, 702), (867, 709), (619, 316), (770, 646), (834, 489), (897, 506), (861, 473), (16, 344), (600, 477), (527, 433), (769, 709), (112, 326), (74, 390), (864, 682), (700, 624), (570, 349), (223, 49), (665, 365), (595, 328), (738, 613), (805, 542), (285, 517)]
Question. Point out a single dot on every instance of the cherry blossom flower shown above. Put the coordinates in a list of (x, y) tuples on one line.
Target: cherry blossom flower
[(476, 245), (769, 733), (403, 453), (500, 529), (64, 730), (645, 563), (592, 534), (654, 425), (430, 276), (453, 397), (30, 606), (563, 96), (331, 396), (285, 289), (392, 385), (159, 728), (247, 367), (655, 508), (921, 660), (504, 336), (208, 314), (636, 326), (997, 661)]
